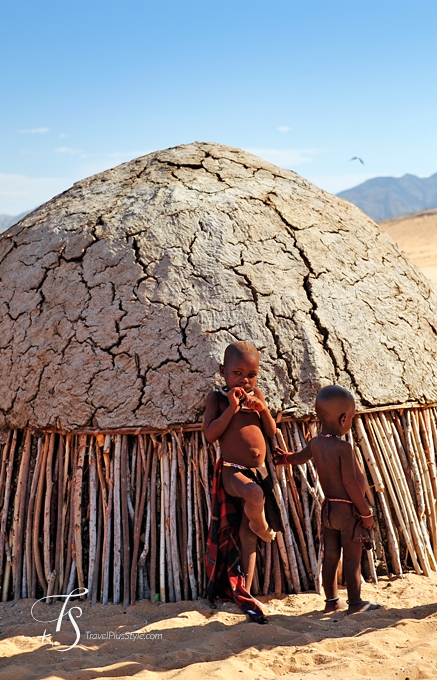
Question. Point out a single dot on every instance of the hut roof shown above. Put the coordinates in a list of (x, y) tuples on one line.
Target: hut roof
[(119, 296)]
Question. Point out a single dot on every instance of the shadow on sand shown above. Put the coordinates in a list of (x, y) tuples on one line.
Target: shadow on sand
[(200, 637)]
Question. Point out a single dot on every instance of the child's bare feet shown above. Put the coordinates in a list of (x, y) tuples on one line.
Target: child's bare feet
[(334, 605), (361, 606), (267, 534)]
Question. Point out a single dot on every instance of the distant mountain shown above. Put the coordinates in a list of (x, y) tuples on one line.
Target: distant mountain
[(7, 221), (385, 197), (426, 212)]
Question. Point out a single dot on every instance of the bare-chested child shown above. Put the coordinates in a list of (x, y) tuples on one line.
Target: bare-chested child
[(239, 418), (343, 484)]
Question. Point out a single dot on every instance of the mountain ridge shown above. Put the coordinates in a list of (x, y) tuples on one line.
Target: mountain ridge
[(384, 198), (7, 221)]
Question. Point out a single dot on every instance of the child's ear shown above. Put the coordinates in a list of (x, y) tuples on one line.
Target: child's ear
[(343, 419), (222, 370)]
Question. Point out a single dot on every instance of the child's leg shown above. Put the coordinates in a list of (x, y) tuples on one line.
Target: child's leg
[(248, 542), (236, 484), (331, 558), (352, 552)]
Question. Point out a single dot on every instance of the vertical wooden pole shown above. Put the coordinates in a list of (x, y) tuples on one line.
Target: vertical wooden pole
[(277, 580), (140, 499), (183, 502), (107, 534), (78, 509), (98, 548), (47, 506), (125, 521), (173, 524), (59, 543), (92, 490), (153, 521), (162, 527), (192, 446), (5, 453), (267, 568), (166, 452), (19, 515), (6, 498), (30, 564), (143, 588), (70, 569), (190, 513), (117, 520), (37, 519)]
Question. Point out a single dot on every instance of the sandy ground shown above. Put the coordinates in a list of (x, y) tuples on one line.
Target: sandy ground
[(397, 642), (417, 236)]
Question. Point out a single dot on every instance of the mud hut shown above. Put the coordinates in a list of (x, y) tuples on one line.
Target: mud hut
[(117, 300)]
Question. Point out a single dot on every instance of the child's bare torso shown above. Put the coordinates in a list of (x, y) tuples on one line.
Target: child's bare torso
[(327, 459), (243, 440)]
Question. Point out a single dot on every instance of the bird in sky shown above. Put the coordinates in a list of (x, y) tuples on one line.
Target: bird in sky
[(356, 158)]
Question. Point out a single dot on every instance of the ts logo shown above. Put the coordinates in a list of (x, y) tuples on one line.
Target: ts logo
[(77, 592)]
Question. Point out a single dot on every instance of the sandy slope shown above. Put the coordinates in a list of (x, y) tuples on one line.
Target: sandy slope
[(417, 236), (299, 642)]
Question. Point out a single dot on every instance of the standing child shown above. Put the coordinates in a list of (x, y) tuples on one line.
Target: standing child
[(237, 416), (346, 516)]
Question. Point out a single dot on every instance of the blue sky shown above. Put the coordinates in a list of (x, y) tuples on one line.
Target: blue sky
[(306, 84)]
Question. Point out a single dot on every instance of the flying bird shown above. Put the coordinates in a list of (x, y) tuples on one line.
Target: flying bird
[(356, 158)]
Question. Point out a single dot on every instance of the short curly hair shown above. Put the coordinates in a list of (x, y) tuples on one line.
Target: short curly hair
[(238, 349)]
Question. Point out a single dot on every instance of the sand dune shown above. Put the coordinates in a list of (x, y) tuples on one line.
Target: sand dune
[(417, 236), (299, 641)]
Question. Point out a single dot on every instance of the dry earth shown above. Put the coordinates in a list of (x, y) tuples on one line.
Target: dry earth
[(300, 642), (417, 236)]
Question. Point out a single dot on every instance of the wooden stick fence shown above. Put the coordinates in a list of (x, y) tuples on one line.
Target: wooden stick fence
[(127, 514)]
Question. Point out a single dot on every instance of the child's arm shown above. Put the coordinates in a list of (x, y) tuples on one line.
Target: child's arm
[(258, 403), (215, 424), (281, 457), (352, 485)]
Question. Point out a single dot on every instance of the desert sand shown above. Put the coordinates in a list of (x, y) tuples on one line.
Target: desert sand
[(300, 641), (417, 236)]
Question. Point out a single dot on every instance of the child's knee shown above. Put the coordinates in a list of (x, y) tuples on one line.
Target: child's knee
[(254, 494), (331, 554), (352, 554)]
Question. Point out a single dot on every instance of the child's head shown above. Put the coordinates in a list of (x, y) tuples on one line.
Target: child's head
[(240, 365), (335, 408)]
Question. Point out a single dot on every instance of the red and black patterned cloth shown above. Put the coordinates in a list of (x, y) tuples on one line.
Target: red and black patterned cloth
[(225, 578)]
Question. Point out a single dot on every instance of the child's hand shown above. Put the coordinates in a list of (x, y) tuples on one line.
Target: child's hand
[(279, 456), (368, 523), (254, 404), (234, 396)]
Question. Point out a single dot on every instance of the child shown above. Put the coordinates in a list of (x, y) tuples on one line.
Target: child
[(346, 516), (237, 416)]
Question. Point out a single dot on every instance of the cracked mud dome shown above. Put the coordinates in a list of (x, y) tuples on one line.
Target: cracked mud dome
[(119, 296)]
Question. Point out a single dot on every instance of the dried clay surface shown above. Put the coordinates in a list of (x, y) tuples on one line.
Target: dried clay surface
[(119, 296)]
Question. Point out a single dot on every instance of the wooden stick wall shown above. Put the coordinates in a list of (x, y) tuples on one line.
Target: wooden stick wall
[(127, 515)]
